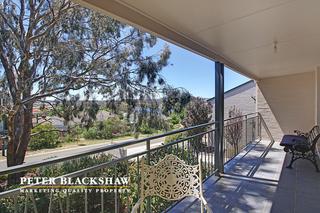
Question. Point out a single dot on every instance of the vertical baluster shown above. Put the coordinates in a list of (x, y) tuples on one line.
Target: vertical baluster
[(34, 203), (103, 172), (85, 200), (210, 155), (148, 161), (126, 190), (212, 144), (205, 153), (102, 201), (138, 181), (260, 126), (177, 149), (257, 127), (188, 152), (192, 154), (68, 202), (50, 202), (199, 148), (60, 204), (26, 203), (203, 148), (183, 152), (246, 129), (225, 150), (15, 203), (116, 206)]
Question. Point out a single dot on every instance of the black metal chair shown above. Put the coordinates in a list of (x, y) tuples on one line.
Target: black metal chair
[(302, 146)]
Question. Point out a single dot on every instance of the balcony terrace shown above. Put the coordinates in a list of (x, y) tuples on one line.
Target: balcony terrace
[(257, 180), (197, 143), (254, 179), (276, 43)]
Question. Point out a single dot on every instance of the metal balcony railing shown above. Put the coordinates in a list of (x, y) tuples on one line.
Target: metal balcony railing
[(189, 144)]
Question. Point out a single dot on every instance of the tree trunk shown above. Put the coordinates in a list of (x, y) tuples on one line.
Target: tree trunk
[(235, 148), (19, 131)]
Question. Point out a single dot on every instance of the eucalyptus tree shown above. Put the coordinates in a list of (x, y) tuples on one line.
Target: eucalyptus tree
[(57, 50), (198, 111), (175, 99)]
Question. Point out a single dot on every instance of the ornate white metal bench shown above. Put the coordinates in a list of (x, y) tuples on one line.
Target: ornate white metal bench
[(171, 179)]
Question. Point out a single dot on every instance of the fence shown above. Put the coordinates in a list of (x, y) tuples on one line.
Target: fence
[(189, 144)]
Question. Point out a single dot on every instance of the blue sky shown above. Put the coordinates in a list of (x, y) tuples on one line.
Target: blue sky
[(195, 73)]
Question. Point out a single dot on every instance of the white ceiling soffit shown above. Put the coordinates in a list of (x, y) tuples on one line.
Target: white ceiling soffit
[(257, 38)]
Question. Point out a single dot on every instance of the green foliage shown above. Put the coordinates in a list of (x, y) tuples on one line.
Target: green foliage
[(76, 204), (66, 51), (174, 100), (72, 136), (72, 165), (115, 127), (111, 128), (175, 119), (146, 129), (198, 111), (174, 137), (92, 133), (45, 136), (150, 118), (136, 135)]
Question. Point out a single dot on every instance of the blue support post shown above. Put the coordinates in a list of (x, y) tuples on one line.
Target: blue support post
[(219, 117)]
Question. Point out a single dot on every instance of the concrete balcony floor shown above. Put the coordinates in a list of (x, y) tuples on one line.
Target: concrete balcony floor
[(257, 180)]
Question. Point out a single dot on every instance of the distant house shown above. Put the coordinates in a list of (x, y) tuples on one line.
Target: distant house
[(243, 97)]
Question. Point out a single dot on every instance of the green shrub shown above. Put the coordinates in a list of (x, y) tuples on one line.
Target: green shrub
[(175, 119), (174, 137), (115, 127), (69, 138), (198, 111), (72, 136), (136, 135), (47, 137), (92, 133), (146, 129), (112, 127)]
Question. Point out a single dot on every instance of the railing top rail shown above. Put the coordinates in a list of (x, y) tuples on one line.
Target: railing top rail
[(23, 167), (84, 171), (241, 116), (109, 148)]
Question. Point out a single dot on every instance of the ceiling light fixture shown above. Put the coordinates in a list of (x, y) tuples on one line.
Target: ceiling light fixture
[(275, 46)]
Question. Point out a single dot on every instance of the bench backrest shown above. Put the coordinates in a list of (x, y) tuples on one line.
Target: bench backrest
[(313, 137), (170, 179)]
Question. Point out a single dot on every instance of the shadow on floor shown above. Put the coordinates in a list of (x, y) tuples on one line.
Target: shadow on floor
[(298, 188), (258, 181)]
